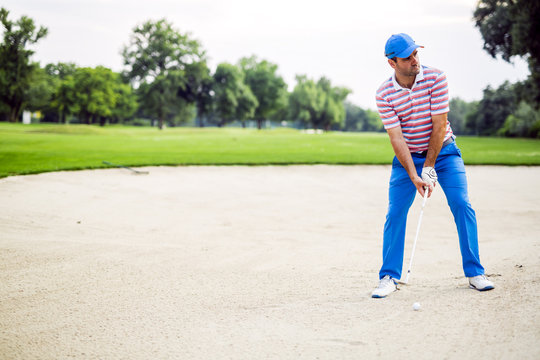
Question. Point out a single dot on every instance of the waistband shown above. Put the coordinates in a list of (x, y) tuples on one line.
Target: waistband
[(424, 153)]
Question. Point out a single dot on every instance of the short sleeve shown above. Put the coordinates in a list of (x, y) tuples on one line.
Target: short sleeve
[(439, 96), (386, 112)]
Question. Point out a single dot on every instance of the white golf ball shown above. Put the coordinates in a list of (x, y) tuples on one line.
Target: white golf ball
[(416, 306)]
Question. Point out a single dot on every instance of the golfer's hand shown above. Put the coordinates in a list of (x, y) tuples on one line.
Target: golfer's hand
[(429, 176), (422, 186)]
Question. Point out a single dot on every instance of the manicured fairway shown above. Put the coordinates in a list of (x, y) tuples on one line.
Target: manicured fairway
[(27, 149)]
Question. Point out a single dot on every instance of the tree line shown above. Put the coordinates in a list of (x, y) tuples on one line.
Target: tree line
[(166, 78)]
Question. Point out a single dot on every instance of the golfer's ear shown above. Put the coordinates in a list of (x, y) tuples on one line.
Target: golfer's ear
[(392, 63)]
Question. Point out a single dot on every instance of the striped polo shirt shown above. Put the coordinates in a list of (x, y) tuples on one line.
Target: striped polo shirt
[(412, 108)]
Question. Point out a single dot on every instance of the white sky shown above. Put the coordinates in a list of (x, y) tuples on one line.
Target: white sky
[(340, 39)]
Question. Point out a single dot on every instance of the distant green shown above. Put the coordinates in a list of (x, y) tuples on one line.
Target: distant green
[(36, 148)]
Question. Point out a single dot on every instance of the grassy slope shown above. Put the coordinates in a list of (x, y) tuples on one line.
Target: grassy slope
[(26, 149)]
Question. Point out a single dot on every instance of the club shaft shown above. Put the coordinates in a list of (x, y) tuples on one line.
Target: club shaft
[(416, 237)]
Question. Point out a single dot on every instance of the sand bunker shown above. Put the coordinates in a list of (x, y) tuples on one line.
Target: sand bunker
[(258, 263)]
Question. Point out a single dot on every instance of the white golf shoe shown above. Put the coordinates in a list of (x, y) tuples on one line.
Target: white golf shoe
[(387, 285), (480, 283)]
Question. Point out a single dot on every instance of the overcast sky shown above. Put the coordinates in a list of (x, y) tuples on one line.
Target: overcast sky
[(340, 39)]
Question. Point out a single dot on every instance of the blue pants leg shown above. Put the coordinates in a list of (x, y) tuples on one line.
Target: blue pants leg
[(452, 178), (401, 195)]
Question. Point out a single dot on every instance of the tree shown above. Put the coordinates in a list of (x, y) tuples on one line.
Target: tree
[(457, 117), (126, 101), (510, 28), (358, 119), (61, 104), (373, 121), (60, 70), (202, 91), (65, 99), (457, 114), (333, 111), (233, 99), (186, 113), (304, 102), (247, 104), (40, 93), (471, 118), (353, 117), (95, 93), (164, 66), (15, 66), (525, 122), (45, 93), (4, 112), (492, 110), (318, 103), (268, 87)]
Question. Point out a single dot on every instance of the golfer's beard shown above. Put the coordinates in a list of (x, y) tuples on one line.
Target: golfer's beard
[(415, 71)]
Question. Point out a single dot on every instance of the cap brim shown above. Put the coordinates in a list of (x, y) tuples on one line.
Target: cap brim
[(408, 51)]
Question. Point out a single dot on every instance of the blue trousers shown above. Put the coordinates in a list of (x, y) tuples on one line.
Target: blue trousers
[(452, 178)]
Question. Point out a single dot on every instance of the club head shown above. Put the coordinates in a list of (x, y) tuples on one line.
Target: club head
[(406, 281)]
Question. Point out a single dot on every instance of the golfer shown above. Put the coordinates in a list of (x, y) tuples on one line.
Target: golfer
[(413, 106)]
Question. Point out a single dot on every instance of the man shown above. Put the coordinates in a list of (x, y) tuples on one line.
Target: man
[(413, 105)]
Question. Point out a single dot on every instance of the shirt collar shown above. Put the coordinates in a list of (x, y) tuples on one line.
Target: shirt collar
[(419, 77)]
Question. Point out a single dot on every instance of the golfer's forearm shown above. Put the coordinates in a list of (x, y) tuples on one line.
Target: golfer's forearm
[(436, 139), (403, 154)]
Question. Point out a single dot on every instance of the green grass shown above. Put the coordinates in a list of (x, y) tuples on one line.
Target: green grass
[(29, 149)]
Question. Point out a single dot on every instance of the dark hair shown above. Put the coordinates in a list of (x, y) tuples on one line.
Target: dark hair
[(394, 59)]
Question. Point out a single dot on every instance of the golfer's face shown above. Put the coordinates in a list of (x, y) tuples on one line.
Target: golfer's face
[(409, 66)]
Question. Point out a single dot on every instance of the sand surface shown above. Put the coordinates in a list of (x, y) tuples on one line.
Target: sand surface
[(258, 263)]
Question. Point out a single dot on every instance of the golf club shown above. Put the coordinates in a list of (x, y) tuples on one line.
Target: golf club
[(128, 168), (415, 238)]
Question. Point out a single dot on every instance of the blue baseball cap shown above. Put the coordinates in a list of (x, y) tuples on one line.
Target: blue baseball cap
[(400, 45)]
